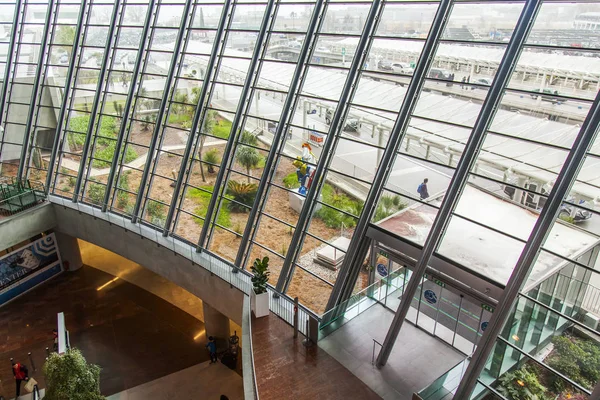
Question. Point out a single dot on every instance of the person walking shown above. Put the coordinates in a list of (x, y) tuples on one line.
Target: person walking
[(422, 189), (21, 374), (212, 349), (462, 82)]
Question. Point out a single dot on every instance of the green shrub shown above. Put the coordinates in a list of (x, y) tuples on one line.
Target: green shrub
[(220, 129), (261, 272), (576, 358), (202, 199), (70, 377), (249, 158), (243, 193), (212, 157), (388, 205), (157, 212), (290, 181), (522, 384), (334, 218), (95, 193)]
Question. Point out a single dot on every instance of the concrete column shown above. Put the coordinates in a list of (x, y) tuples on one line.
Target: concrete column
[(69, 251), (215, 323)]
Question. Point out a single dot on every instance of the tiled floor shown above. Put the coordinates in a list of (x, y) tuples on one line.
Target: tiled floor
[(416, 360), (202, 381), (133, 335), (285, 369)]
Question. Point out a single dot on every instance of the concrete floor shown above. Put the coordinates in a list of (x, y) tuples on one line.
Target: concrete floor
[(416, 360), (202, 381)]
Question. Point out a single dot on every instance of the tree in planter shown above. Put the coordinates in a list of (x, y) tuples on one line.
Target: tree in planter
[(248, 158), (243, 193), (211, 157), (70, 377), (261, 272), (210, 120)]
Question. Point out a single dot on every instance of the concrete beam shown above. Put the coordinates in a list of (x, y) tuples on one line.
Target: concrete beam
[(26, 224)]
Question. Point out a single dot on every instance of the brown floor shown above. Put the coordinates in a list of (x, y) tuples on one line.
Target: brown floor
[(132, 334), (285, 369)]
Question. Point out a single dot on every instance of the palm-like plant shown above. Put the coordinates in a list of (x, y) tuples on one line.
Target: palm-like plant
[(242, 194), (248, 158), (261, 272)]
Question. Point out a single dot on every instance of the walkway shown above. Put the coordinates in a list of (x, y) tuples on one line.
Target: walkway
[(285, 369), (202, 381), (132, 334), (417, 359)]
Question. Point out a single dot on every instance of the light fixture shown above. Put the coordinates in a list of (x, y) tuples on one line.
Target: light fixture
[(515, 338), (520, 382), (107, 283), (202, 332)]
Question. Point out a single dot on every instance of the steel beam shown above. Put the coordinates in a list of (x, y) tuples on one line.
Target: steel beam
[(359, 245), (36, 86), (185, 18), (201, 109), (461, 175), (9, 57), (125, 118), (67, 92), (235, 125), (280, 133), (546, 220), (335, 128)]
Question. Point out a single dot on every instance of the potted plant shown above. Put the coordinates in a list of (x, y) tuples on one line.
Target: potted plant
[(70, 377), (260, 297)]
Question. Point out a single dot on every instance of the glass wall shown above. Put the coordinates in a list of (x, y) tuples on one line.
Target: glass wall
[(218, 122)]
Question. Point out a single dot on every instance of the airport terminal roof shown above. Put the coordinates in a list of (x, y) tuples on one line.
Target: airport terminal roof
[(484, 251)]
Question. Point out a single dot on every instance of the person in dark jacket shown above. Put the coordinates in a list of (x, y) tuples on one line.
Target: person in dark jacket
[(21, 374), (422, 189)]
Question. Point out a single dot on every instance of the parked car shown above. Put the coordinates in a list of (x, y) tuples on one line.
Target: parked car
[(352, 124), (403, 68), (437, 73), (384, 66), (483, 81), (548, 95)]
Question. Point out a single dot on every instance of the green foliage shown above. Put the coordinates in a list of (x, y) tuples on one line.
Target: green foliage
[(388, 205), (576, 358), (148, 121), (244, 193), (290, 181), (202, 199), (248, 138), (95, 192), (522, 384), (122, 196), (567, 218), (249, 158), (65, 35), (221, 129), (70, 377), (261, 272), (212, 157), (71, 181), (334, 218), (157, 212)]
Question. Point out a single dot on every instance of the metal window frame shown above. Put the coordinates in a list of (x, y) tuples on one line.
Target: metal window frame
[(465, 164)]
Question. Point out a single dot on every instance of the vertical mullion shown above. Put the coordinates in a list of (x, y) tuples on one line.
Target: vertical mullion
[(233, 136), (124, 129), (17, 21), (244, 117), (36, 84), (67, 95), (465, 164), (288, 112), (197, 119), (103, 80), (336, 126), (356, 250), (161, 112), (545, 221), (186, 39), (212, 89)]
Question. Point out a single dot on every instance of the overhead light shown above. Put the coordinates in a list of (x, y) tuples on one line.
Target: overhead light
[(202, 332), (520, 382), (107, 283), (515, 338)]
